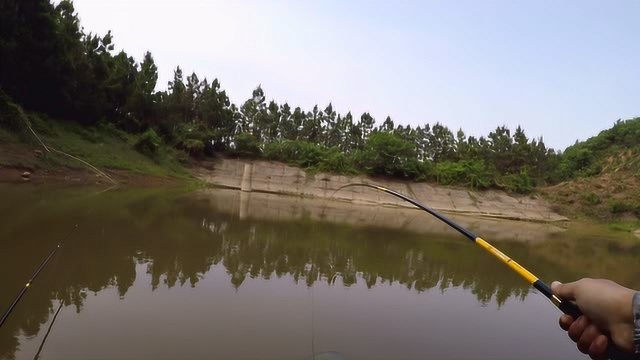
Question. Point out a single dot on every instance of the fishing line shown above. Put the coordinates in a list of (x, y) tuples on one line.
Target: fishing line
[(313, 322), (46, 335), (27, 285), (566, 307), (40, 268)]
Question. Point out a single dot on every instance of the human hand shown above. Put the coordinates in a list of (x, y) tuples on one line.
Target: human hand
[(607, 309)]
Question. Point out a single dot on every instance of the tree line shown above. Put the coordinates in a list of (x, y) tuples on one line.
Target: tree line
[(51, 65)]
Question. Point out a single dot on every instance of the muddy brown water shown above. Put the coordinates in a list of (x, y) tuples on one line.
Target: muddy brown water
[(214, 274)]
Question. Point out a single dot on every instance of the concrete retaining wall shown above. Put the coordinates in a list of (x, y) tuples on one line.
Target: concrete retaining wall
[(272, 207), (278, 178)]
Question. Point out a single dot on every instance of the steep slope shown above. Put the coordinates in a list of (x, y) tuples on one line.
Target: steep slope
[(605, 172)]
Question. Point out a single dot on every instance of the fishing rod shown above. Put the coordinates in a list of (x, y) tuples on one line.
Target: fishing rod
[(24, 289), (26, 286), (566, 307)]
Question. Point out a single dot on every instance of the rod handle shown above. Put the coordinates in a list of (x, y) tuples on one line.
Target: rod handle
[(571, 309), (613, 352)]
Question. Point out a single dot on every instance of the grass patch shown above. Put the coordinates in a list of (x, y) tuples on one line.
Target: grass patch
[(103, 146), (591, 198), (626, 226), (7, 136), (106, 150)]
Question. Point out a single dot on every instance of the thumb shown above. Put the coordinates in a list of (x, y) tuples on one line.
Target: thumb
[(564, 291)]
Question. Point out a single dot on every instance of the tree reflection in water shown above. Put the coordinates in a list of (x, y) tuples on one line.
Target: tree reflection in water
[(179, 237)]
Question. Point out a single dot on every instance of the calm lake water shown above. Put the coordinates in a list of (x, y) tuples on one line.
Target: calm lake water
[(215, 274)]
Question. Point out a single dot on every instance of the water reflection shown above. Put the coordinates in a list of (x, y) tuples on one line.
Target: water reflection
[(179, 239)]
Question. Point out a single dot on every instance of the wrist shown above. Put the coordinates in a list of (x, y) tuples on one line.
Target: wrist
[(627, 304), (636, 321), (624, 332)]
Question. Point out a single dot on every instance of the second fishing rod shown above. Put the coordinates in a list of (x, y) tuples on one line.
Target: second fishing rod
[(565, 306)]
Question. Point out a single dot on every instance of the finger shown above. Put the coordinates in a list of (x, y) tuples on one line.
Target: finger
[(598, 348), (564, 291), (587, 338), (565, 322), (577, 328)]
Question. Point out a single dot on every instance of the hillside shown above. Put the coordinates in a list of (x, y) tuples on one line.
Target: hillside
[(65, 151), (605, 175)]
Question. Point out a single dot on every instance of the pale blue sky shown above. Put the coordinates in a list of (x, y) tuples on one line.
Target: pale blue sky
[(563, 70)]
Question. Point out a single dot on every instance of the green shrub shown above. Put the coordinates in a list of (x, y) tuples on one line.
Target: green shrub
[(90, 134), (471, 173), (336, 161), (520, 183), (449, 173), (148, 143), (591, 198), (301, 153), (108, 129), (389, 154), (194, 139), (194, 147), (11, 115), (310, 156), (246, 145), (182, 157), (620, 206), (626, 226), (273, 150), (45, 126)]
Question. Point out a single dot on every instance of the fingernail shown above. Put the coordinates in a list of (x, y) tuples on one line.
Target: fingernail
[(555, 283)]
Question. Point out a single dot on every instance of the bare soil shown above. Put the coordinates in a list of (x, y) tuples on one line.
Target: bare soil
[(596, 196)]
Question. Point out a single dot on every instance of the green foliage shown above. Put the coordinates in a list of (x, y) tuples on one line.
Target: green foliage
[(388, 154), (521, 182), (311, 156), (192, 139), (108, 129), (466, 172), (246, 145), (578, 161), (335, 161), (52, 66), (626, 226), (625, 134), (591, 198), (300, 153), (194, 147), (148, 143), (619, 206), (113, 150), (11, 115), (590, 157)]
